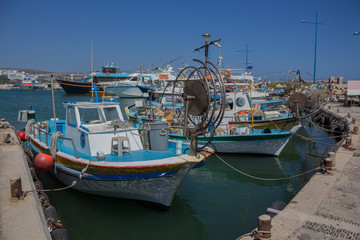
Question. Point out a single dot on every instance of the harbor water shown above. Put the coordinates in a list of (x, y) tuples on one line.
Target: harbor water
[(213, 201)]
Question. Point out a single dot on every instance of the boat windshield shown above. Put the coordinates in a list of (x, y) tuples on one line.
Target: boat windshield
[(89, 115), (111, 114)]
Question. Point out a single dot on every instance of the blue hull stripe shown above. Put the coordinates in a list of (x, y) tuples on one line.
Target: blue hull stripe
[(115, 176)]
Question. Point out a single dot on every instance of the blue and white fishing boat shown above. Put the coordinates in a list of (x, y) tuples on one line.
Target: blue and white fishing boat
[(238, 139), (96, 145)]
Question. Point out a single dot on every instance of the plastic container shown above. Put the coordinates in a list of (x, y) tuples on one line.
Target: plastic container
[(159, 135)]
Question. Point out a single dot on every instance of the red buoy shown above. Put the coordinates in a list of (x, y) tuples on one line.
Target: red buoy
[(21, 135), (43, 162)]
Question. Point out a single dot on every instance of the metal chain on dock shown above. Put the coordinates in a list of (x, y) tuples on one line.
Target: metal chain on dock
[(266, 179)]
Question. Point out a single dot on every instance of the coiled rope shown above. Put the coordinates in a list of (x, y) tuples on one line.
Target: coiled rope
[(29, 124)]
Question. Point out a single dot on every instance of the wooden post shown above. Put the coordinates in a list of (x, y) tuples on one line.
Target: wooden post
[(16, 188), (264, 227)]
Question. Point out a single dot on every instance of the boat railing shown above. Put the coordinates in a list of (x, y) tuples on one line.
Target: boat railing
[(36, 128)]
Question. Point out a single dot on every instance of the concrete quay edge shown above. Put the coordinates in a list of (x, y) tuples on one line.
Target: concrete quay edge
[(24, 218)]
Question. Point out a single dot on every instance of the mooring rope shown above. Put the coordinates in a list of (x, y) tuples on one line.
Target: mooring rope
[(266, 179), (63, 188), (327, 130)]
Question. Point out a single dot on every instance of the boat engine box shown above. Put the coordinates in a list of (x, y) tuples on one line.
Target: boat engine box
[(159, 135)]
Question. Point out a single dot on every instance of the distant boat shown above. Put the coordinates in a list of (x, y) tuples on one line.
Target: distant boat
[(108, 73), (27, 84)]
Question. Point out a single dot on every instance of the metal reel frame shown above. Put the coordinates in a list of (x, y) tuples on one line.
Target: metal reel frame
[(208, 77)]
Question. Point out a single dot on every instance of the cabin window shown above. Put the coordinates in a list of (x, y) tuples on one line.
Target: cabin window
[(111, 114), (89, 115), (71, 120), (229, 104)]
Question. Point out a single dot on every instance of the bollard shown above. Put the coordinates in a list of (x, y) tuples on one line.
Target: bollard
[(353, 120), (348, 143), (329, 164), (349, 115), (264, 227), (332, 157), (329, 107), (356, 130), (16, 188)]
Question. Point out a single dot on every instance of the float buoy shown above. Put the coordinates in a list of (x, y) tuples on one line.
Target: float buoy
[(43, 162), (21, 135)]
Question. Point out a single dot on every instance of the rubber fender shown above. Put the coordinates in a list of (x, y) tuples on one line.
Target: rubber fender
[(50, 212), (43, 197), (278, 205), (275, 207), (267, 130), (60, 234), (38, 185)]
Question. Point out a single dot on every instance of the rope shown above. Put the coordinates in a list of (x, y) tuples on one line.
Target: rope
[(63, 188), (54, 144), (266, 179), (28, 127), (324, 129)]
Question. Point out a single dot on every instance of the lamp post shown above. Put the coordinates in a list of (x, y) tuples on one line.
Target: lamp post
[(356, 33), (316, 24), (206, 38)]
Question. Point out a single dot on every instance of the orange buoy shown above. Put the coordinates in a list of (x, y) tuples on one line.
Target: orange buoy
[(43, 162), (21, 135)]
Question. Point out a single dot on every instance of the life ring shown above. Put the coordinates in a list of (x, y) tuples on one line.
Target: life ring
[(245, 90)]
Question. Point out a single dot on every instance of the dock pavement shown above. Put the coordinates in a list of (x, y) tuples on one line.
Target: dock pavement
[(23, 218), (328, 206)]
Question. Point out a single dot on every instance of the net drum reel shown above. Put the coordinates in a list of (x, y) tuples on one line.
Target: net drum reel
[(202, 94)]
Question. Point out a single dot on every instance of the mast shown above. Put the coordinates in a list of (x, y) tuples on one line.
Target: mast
[(91, 70)]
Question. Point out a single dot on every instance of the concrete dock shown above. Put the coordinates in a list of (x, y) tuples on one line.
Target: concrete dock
[(24, 218), (328, 207)]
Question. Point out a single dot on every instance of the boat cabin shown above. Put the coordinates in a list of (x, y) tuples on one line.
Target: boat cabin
[(92, 125)]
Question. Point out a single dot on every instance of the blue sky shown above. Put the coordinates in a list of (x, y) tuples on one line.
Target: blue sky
[(56, 35)]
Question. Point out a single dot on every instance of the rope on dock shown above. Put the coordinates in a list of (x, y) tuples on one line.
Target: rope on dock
[(267, 179)]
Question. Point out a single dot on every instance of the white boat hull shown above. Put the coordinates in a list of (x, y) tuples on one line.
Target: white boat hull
[(265, 147), (124, 91), (157, 190)]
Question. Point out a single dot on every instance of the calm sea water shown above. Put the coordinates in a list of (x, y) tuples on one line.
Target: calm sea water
[(213, 202)]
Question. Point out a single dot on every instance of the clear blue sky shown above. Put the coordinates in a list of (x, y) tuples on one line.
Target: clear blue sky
[(56, 35)]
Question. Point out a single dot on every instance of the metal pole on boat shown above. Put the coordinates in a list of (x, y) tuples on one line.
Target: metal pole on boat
[(53, 100), (206, 38), (251, 107)]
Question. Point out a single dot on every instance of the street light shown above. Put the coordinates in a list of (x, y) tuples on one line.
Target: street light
[(206, 38), (316, 23), (356, 33)]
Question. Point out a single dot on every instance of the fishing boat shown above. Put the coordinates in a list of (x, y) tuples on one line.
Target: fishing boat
[(241, 108), (239, 139), (97, 148), (109, 73)]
